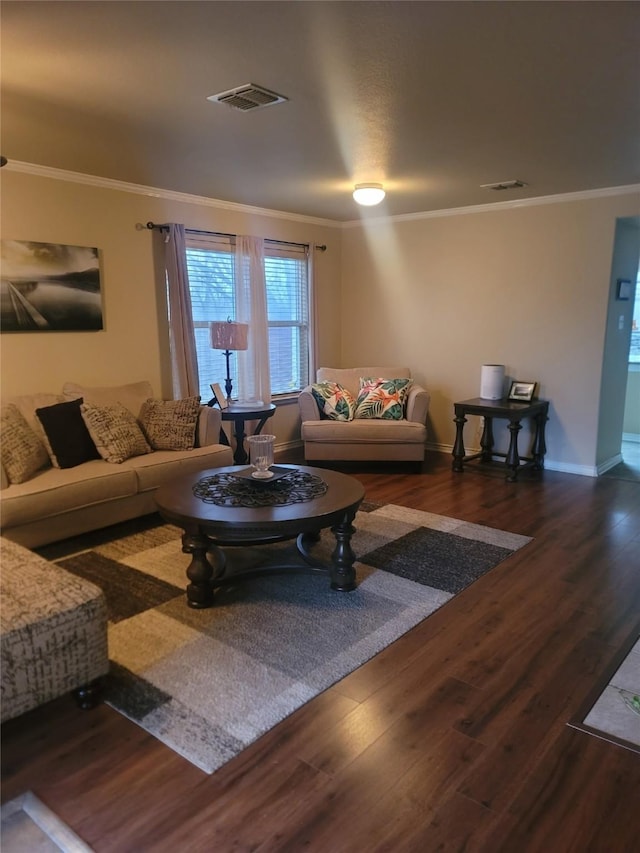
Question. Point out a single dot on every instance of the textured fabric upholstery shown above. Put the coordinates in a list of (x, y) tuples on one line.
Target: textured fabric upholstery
[(53, 631), (115, 432), (23, 453), (170, 424)]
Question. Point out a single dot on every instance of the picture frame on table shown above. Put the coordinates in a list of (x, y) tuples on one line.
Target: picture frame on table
[(522, 392), (218, 395)]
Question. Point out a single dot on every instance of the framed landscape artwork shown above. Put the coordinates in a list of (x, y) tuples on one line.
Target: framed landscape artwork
[(49, 287)]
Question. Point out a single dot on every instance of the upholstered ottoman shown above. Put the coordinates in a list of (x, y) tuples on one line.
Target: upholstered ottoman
[(53, 632)]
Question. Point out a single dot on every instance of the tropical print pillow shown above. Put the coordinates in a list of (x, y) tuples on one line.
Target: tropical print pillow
[(334, 401), (382, 398)]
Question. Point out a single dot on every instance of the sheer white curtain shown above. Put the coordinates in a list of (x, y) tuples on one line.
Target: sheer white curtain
[(254, 386), (184, 363)]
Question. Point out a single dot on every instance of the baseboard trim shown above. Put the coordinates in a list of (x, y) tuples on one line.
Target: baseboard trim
[(549, 464), (610, 463)]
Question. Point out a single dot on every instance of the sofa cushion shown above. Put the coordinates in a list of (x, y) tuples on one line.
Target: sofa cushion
[(28, 403), (170, 424), (66, 435), (334, 401), (132, 396), (158, 467), (382, 398), (58, 490), (22, 452), (115, 432), (365, 431)]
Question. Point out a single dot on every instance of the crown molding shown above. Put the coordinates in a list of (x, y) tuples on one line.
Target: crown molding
[(205, 201), (582, 195), (156, 192)]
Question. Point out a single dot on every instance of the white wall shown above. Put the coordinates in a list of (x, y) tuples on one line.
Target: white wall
[(523, 286), (615, 370), (133, 343)]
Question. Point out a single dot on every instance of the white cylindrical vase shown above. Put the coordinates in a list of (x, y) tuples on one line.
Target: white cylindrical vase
[(492, 381)]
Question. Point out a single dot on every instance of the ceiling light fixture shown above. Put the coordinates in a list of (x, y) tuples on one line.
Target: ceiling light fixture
[(368, 194)]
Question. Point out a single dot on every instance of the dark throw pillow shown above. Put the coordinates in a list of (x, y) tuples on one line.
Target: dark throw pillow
[(67, 437)]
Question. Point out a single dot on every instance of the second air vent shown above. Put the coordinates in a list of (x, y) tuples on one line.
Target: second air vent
[(248, 97)]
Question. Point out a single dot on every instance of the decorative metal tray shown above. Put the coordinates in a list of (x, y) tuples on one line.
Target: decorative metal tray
[(238, 489), (276, 471)]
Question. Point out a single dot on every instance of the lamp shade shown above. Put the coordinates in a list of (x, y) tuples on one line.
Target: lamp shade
[(368, 194), (228, 335)]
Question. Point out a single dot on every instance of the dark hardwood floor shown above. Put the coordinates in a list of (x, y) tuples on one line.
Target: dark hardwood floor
[(453, 738)]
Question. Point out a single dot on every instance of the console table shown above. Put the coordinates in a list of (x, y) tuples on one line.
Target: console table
[(513, 412)]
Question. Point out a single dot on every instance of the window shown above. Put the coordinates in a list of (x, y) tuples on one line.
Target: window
[(211, 267)]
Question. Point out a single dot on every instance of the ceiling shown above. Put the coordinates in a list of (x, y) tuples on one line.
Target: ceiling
[(432, 99)]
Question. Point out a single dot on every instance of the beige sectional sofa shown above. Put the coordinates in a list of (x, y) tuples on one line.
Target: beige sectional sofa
[(364, 438), (55, 502)]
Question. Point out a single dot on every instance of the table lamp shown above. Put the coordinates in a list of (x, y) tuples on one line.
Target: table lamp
[(229, 337)]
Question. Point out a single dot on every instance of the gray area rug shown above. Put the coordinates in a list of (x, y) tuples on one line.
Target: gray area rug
[(28, 826), (613, 713), (209, 682)]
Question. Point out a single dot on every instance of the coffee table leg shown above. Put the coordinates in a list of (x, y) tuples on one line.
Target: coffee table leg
[(200, 570), (343, 575), (304, 543)]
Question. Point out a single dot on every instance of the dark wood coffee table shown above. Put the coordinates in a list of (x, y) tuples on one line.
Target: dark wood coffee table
[(209, 527)]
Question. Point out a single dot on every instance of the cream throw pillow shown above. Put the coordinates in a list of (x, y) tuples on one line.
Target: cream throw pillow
[(22, 451), (170, 424), (115, 432)]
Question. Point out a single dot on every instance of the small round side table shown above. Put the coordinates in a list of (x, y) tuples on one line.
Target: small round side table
[(240, 414)]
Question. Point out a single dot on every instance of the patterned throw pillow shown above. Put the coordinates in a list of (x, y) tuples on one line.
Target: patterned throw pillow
[(115, 432), (22, 451), (66, 436), (170, 424), (334, 401), (382, 398)]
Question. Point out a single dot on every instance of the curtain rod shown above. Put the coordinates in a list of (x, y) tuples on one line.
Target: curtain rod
[(152, 226)]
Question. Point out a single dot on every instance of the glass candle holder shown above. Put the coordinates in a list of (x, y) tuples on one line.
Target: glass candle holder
[(261, 455)]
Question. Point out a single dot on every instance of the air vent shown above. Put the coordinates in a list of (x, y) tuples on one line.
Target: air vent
[(248, 97), (504, 185)]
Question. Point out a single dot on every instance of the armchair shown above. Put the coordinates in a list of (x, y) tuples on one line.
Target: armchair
[(364, 439)]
